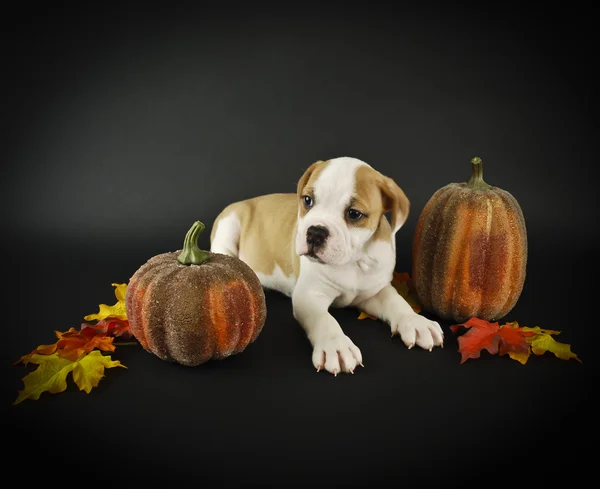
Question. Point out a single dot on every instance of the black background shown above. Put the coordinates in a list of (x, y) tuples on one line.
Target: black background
[(121, 127)]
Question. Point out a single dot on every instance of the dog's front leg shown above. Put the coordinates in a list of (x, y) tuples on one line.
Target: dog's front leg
[(389, 306), (332, 349)]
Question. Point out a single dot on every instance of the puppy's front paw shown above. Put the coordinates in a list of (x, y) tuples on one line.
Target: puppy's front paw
[(336, 354), (417, 329)]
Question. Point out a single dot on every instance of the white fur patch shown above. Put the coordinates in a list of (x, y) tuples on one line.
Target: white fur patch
[(227, 236), (278, 281)]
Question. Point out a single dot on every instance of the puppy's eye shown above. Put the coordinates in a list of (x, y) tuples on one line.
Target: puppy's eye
[(354, 215), (308, 202)]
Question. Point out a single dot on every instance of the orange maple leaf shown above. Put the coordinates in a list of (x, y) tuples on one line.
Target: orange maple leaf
[(483, 335), (72, 344)]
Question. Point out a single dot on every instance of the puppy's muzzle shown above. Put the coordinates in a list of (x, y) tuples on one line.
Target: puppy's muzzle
[(316, 236)]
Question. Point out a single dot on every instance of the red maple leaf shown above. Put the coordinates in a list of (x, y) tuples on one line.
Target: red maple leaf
[(110, 327), (483, 335)]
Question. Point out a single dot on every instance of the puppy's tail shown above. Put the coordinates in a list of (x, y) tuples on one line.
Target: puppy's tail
[(225, 234)]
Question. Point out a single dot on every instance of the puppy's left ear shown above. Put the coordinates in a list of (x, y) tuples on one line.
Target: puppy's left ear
[(395, 202)]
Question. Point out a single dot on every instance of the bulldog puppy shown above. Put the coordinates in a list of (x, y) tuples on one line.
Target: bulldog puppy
[(329, 245)]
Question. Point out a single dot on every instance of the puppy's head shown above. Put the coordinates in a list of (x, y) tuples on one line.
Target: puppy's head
[(342, 205)]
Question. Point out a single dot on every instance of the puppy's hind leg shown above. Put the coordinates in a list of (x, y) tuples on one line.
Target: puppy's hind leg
[(225, 235)]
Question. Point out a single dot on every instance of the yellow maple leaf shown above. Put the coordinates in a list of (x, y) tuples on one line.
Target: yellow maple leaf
[(89, 370), (116, 311), (51, 374), (519, 356), (541, 343), (537, 330)]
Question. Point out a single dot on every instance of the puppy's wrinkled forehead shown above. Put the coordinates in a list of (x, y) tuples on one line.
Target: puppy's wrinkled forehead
[(332, 182), (335, 185)]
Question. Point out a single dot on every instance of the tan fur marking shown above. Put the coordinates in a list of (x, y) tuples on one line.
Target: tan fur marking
[(269, 240), (306, 182), (376, 195)]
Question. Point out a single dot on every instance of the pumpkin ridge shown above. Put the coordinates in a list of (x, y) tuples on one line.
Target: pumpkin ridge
[(255, 295), (485, 251), (246, 333), (137, 287), (443, 235), (184, 314), (491, 281), (500, 264), (155, 332), (220, 313), (430, 223), (481, 247), (252, 297), (519, 260), (464, 243)]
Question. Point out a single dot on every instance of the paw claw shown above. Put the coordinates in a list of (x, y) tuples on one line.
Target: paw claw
[(318, 369), (361, 364), (335, 372), (410, 345)]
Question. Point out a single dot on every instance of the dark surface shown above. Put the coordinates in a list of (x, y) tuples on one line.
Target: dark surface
[(122, 128)]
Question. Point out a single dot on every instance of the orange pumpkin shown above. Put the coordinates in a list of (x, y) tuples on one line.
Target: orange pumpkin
[(192, 305), (470, 251)]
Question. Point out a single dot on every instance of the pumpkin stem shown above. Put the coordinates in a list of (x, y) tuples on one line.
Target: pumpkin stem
[(476, 181), (191, 254)]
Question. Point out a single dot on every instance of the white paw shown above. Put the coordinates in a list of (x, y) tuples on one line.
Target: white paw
[(417, 329), (336, 354)]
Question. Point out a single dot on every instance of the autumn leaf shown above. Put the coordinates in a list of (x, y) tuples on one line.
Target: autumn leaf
[(483, 335), (405, 287), (78, 351), (115, 311), (72, 344), (364, 315), (89, 370), (110, 327), (40, 350), (516, 341), (542, 341), (51, 374)]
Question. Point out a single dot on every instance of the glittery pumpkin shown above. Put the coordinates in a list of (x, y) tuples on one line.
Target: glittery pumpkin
[(470, 251), (192, 306)]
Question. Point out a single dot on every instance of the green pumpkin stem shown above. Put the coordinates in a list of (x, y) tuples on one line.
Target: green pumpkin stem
[(476, 181), (191, 254)]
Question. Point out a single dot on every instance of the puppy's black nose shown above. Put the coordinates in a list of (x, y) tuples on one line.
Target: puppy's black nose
[(316, 235)]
